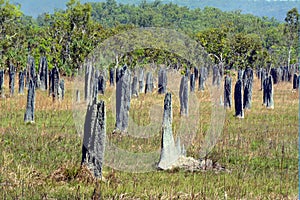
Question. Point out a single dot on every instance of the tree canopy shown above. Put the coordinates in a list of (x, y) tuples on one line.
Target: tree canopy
[(67, 36)]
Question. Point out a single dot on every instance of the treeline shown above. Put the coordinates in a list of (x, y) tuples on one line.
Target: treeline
[(271, 9), (68, 36)]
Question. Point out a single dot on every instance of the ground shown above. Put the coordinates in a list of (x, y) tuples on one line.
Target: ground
[(42, 160)]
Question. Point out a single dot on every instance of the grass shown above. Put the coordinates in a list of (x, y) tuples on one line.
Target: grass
[(42, 160)]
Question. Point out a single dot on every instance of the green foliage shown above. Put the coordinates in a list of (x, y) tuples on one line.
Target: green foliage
[(231, 37), (292, 33), (215, 42), (292, 25), (68, 36), (10, 26)]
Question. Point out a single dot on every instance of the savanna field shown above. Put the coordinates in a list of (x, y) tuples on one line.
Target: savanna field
[(43, 160), (255, 157)]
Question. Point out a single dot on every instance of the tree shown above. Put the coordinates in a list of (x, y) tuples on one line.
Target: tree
[(214, 40), (9, 30), (291, 31), (244, 49)]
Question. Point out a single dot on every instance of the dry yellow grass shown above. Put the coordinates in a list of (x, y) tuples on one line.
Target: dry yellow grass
[(261, 150)]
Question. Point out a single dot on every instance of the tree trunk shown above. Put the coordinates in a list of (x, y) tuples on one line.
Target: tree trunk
[(289, 57)]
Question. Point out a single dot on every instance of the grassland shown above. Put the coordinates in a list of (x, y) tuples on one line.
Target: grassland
[(42, 160)]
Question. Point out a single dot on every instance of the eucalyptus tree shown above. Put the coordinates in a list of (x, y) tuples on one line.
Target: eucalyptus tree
[(291, 31)]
